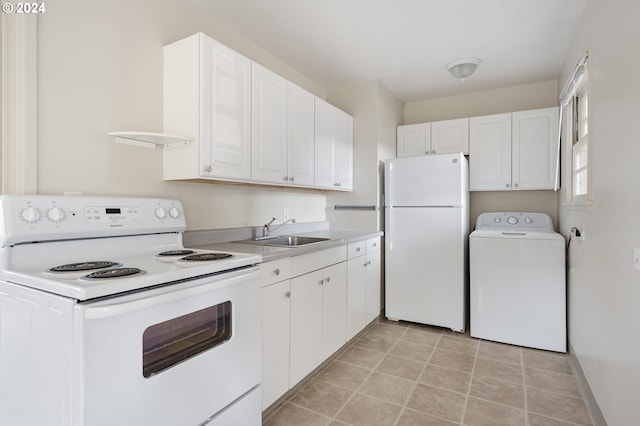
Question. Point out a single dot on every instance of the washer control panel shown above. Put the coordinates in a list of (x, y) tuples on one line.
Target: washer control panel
[(515, 221)]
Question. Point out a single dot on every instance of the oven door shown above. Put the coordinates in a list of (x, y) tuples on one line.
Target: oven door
[(171, 356)]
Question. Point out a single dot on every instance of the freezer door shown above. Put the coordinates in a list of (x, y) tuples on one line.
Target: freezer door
[(426, 266), (436, 180)]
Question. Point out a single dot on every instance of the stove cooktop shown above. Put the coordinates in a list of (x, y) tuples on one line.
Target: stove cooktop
[(89, 279)]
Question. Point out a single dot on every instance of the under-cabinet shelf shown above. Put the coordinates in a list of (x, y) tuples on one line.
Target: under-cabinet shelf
[(149, 140)]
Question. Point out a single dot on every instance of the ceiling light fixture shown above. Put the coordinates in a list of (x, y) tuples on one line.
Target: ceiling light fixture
[(463, 67)]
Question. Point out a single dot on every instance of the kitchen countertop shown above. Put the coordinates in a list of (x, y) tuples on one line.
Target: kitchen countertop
[(337, 237)]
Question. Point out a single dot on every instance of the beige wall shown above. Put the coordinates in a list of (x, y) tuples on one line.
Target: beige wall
[(604, 287), (517, 98), (376, 114), (100, 70)]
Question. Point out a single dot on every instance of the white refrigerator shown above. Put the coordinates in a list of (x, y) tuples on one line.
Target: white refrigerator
[(426, 240)]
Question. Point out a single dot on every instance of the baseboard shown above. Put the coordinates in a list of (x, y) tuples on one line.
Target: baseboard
[(590, 399)]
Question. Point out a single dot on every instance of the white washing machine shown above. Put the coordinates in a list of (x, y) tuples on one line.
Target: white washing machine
[(517, 281)]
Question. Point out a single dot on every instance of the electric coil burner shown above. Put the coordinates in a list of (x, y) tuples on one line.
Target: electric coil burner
[(113, 273), (205, 257), (84, 266), (170, 253)]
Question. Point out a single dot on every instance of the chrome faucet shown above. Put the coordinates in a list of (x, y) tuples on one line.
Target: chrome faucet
[(266, 228)]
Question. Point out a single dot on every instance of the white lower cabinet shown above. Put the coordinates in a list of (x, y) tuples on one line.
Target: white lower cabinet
[(318, 317), (312, 305), (276, 302), (363, 285), (373, 286)]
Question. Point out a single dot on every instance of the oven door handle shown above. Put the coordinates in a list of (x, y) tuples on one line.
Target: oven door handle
[(116, 309), (108, 310)]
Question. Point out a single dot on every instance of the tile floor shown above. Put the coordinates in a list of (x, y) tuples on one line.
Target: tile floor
[(407, 374)]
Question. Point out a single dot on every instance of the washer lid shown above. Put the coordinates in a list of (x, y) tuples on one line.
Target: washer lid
[(513, 234)]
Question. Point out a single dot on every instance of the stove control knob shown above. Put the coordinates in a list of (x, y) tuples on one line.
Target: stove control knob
[(528, 220), (55, 214), (497, 220), (30, 215), (161, 213), (174, 212), (512, 220)]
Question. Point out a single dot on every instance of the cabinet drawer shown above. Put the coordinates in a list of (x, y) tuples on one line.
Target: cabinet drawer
[(356, 249), (373, 244), (274, 271), (317, 260)]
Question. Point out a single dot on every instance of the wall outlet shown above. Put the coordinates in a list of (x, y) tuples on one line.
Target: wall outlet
[(636, 258), (285, 214)]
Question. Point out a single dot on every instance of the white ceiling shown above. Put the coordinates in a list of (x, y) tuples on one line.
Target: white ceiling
[(407, 43)]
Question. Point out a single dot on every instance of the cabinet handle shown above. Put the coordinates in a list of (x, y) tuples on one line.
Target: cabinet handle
[(208, 169), (433, 151), (326, 280), (321, 282), (375, 244), (292, 178), (507, 185), (357, 248), (364, 264), (515, 185), (287, 294), (276, 272), (337, 184), (285, 178)]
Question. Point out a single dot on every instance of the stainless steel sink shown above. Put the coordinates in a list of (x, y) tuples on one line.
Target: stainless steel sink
[(285, 241)]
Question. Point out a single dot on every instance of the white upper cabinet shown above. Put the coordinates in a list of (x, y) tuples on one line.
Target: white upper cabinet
[(450, 136), (301, 136), (334, 147), (207, 96), (269, 126), (247, 123), (514, 151), (535, 148), (283, 117), (490, 152), (438, 137), (413, 140)]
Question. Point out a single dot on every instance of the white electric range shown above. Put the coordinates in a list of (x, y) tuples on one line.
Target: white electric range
[(105, 318)]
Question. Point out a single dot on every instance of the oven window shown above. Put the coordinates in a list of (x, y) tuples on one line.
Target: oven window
[(171, 342)]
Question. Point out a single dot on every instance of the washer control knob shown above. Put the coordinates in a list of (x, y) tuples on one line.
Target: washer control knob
[(161, 213), (30, 215), (55, 214), (512, 220), (528, 220), (174, 212)]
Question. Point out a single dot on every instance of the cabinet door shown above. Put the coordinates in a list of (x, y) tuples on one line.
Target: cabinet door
[(269, 126), (490, 153), (325, 129), (306, 325), (275, 341), (301, 136), (225, 113), (334, 309), (413, 140), (356, 296), (535, 148), (450, 136), (373, 290), (343, 151)]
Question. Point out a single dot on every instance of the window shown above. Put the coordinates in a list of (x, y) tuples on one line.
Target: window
[(575, 105), (172, 342)]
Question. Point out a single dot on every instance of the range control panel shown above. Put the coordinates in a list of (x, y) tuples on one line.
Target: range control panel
[(515, 221), (30, 218)]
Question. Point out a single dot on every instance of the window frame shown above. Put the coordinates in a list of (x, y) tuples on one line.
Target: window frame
[(576, 104)]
